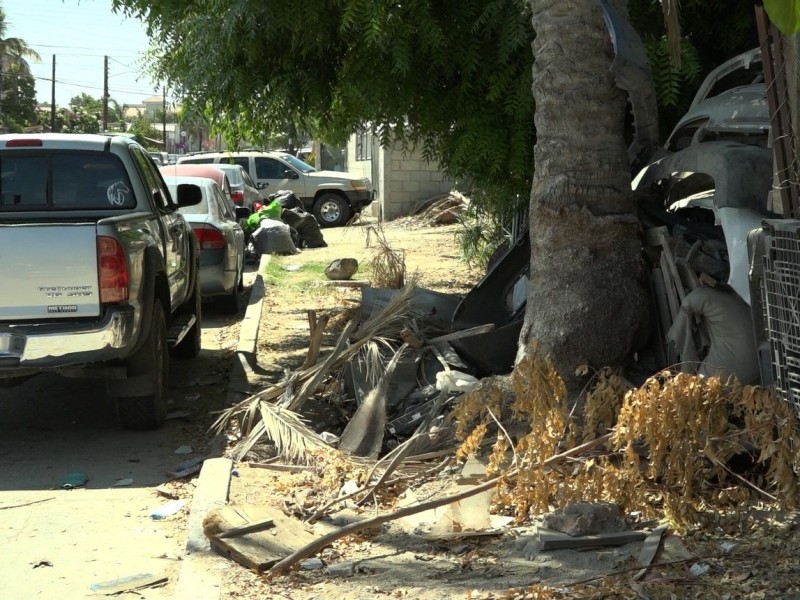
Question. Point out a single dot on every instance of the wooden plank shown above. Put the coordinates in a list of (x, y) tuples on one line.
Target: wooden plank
[(257, 550), (555, 540), (672, 296), (649, 550)]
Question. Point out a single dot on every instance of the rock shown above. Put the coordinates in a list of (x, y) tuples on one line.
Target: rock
[(312, 564), (586, 518), (341, 269)]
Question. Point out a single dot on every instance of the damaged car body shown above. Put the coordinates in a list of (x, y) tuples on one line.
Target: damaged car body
[(701, 196)]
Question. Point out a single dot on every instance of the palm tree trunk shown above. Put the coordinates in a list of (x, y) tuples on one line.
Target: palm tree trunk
[(585, 301)]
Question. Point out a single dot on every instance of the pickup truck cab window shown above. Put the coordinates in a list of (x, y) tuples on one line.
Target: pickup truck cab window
[(64, 181)]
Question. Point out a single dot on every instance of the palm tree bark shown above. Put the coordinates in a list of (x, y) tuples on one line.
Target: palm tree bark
[(586, 301)]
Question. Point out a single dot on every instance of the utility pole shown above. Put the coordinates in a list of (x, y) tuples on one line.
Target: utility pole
[(53, 97), (105, 93), (164, 115)]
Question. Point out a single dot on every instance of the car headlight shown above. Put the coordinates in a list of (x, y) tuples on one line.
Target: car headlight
[(360, 185)]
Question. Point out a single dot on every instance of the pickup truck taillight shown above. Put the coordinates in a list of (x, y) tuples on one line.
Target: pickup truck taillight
[(210, 238), (113, 266), (237, 196)]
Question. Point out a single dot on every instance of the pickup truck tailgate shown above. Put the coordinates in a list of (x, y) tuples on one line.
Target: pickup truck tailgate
[(48, 271)]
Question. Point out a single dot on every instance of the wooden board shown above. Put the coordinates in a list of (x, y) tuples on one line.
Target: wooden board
[(260, 550), (554, 540)]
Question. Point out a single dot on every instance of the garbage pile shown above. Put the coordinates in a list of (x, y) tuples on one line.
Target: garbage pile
[(282, 226), (393, 372)]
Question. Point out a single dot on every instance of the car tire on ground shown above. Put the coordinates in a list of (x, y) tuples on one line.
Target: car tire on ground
[(150, 362), (331, 210), (229, 304), (190, 345)]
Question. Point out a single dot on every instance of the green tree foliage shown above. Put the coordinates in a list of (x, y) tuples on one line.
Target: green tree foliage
[(452, 76), (69, 120), (144, 133), (785, 14), (14, 51), (712, 32), (18, 104)]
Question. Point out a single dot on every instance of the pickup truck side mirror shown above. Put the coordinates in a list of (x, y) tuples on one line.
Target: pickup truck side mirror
[(189, 195), (289, 174), (242, 212)]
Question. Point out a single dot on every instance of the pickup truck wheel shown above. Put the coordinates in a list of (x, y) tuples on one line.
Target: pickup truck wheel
[(331, 210), (151, 361), (189, 346)]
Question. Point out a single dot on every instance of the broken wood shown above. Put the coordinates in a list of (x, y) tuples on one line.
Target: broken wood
[(649, 550), (20, 505), (255, 550), (556, 540), (317, 330), (245, 529), (464, 333), (318, 544)]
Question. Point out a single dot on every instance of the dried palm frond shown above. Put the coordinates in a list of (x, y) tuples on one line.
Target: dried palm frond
[(392, 318), (292, 437), (388, 266)]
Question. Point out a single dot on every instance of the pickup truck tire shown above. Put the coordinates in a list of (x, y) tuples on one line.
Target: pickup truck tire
[(331, 210), (152, 361), (189, 346)]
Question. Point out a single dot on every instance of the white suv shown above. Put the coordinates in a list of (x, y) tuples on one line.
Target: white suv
[(333, 197)]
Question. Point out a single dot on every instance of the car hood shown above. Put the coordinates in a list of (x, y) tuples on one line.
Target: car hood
[(341, 175)]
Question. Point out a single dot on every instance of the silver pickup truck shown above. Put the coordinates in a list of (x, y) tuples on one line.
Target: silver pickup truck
[(98, 269)]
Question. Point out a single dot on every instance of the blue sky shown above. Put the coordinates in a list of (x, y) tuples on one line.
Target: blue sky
[(80, 33)]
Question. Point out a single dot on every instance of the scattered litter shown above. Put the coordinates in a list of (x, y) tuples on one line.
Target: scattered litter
[(727, 546), (291, 268), (127, 584), (234, 472), (74, 480), (163, 490), (182, 414), (329, 438), (455, 381), (698, 569), (123, 482), (188, 472), (189, 463), (41, 563), (167, 510), (184, 450), (312, 564)]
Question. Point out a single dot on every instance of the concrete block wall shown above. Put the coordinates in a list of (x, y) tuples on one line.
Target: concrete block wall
[(401, 179)]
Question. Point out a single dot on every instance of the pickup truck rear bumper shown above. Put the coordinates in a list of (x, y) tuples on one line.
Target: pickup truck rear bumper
[(52, 345)]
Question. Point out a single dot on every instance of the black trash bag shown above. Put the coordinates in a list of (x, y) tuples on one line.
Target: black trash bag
[(306, 226), (286, 199)]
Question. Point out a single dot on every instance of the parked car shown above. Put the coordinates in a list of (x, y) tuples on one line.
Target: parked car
[(160, 158), (99, 276), (243, 189), (332, 197), (216, 224), (208, 171)]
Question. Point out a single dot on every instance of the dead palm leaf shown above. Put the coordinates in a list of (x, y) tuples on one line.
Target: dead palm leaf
[(293, 439)]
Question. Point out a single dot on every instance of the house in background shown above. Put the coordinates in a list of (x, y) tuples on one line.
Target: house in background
[(402, 179)]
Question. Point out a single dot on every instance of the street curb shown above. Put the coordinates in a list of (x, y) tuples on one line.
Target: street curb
[(245, 358), (201, 574)]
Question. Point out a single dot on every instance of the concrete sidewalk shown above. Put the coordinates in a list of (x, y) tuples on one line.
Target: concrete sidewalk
[(201, 573)]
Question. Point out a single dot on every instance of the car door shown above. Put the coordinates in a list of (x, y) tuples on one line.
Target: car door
[(273, 172), (175, 234), (231, 231)]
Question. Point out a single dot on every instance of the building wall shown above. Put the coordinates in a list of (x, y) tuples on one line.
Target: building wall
[(401, 179)]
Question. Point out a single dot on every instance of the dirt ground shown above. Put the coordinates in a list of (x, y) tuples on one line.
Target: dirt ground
[(407, 559)]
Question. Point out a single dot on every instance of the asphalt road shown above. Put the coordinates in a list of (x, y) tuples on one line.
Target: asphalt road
[(56, 543)]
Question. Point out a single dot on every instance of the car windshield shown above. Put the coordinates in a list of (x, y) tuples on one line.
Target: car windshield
[(64, 180), (298, 164)]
